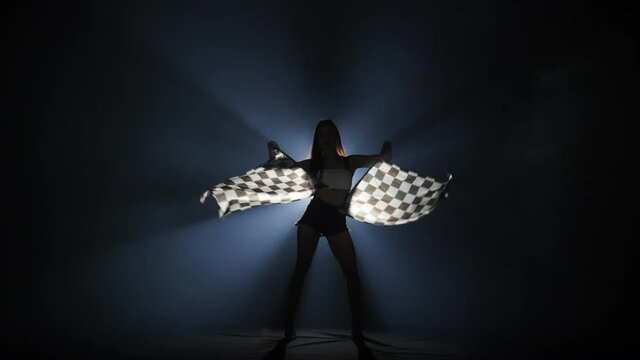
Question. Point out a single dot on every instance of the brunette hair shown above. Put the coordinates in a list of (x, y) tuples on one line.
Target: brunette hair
[(316, 153)]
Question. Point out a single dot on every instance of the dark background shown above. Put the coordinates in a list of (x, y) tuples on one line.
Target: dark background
[(120, 115)]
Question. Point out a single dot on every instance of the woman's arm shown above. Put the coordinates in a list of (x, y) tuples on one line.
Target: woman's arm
[(305, 164), (359, 161)]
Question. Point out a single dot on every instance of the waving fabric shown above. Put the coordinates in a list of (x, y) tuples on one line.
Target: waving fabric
[(385, 195)]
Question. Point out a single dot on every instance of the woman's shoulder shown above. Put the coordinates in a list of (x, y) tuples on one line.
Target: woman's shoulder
[(351, 164)]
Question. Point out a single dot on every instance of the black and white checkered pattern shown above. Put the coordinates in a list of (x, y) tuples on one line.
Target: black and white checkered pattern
[(274, 182), (388, 195)]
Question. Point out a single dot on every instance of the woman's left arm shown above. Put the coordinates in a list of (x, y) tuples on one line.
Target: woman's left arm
[(359, 161)]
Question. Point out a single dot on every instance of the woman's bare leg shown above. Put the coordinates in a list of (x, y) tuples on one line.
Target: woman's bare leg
[(342, 247), (307, 244)]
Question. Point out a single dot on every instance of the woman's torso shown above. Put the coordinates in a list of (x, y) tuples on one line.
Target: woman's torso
[(334, 196)]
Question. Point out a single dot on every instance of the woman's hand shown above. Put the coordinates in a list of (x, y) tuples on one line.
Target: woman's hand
[(272, 146), (284, 162), (386, 150)]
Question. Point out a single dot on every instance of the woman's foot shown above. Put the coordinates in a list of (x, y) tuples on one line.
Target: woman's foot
[(357, 337), (290, 334)]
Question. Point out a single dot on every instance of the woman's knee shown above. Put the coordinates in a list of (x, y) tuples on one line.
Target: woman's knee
[(353, 278)]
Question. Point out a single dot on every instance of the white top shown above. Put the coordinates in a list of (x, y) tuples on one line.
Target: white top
[(336, 178)]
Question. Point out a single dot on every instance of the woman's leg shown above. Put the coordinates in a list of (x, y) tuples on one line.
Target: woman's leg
[(308, 239), (342, 247)]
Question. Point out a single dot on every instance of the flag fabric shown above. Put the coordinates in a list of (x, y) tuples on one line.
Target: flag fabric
[(385, 195), (388, 195)]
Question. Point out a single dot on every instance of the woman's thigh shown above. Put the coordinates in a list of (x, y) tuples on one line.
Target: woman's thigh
[(341, 245), (308, 239)]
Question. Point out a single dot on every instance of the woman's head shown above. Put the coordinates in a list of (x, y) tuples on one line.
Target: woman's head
[(326, 140)]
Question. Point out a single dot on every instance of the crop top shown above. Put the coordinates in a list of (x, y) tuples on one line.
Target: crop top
[(336, 178)]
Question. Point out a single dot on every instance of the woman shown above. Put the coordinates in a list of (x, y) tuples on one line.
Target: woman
[(322, 217)]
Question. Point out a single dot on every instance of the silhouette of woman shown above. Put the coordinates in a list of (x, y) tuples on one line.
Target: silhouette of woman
[(325, 216)]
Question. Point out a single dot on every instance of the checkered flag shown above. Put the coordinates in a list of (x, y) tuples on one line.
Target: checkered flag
[(275, 181), (388, 195)]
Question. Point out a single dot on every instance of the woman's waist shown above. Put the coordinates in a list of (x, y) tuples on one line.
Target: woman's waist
[(335, 197)]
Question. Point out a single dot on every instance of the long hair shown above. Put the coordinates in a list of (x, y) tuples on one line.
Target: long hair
[(316, 152)]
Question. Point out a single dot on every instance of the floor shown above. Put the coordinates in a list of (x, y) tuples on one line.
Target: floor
[(259, 344)]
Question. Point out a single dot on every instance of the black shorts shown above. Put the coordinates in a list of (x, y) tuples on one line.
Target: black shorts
[(324, 217)]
